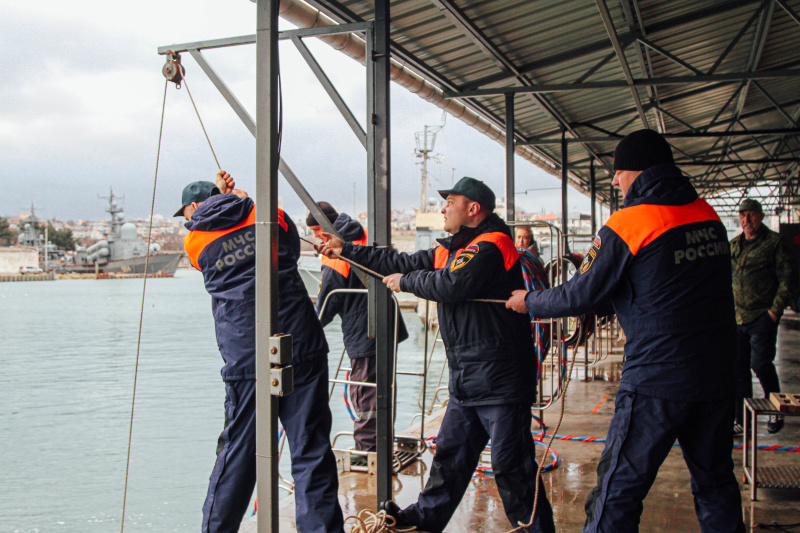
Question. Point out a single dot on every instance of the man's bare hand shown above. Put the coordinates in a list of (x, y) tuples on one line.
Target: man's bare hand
[(332, 247), (239, 192), (517, 301), (392, 281), (225, 182)]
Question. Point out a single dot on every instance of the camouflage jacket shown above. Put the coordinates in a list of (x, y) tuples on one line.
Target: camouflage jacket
[(764, 275)]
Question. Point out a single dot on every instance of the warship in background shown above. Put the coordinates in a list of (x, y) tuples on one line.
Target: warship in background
[(122, 251), (31, 237)]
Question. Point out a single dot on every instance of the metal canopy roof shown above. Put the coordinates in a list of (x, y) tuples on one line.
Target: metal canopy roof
[(721, 78)]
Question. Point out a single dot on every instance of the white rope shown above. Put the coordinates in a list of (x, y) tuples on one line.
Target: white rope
[(141, 311)]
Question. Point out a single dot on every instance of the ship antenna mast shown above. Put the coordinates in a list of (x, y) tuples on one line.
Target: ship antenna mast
[(424, 152)]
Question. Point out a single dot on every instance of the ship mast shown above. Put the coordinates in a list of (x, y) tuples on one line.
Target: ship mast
[(424, 152)]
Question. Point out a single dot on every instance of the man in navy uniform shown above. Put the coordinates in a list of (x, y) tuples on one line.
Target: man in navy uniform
[(337, 274), (663, 262), (221, 244), (490, 355)]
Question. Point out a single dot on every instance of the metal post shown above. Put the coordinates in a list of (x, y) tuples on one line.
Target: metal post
[(379, 229), (593, 196), (612, 201), (510, 208), (267, 157), (564, 207)]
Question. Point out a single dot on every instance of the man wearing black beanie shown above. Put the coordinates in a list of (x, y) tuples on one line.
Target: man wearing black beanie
[(663, 263), (352, 308)]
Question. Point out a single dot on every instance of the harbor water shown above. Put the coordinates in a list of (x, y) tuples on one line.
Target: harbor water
[(69, 354)]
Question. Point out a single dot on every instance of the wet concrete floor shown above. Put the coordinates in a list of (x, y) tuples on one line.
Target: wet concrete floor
[(589, 406)]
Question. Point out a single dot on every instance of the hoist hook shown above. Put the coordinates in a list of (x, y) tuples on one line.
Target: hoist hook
[(173, 70)]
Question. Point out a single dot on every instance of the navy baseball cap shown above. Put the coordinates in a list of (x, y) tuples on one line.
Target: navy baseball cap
[(475, 190), (198, 191)]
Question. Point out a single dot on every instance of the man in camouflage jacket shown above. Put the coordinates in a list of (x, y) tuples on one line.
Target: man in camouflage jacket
[(764, 284)]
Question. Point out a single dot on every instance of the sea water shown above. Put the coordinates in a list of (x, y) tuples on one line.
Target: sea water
[(68, 361)]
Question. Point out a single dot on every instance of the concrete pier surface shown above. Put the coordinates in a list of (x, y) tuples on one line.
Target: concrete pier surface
[(669, 506)]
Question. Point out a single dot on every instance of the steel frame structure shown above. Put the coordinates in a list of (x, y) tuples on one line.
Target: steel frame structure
[(376, 141), (744, 140)]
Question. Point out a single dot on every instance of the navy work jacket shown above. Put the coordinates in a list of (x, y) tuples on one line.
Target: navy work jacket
[(353, 308), (489, 348), (663, 262), (221, 244)]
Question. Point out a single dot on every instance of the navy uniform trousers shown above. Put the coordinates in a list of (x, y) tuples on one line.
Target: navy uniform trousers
[(462, 437), (642, 433), (306, 418)]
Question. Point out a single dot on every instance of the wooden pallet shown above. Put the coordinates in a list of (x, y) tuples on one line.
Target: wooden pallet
[(785, 403)]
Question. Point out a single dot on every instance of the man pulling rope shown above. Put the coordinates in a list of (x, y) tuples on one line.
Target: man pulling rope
[(490, 354)]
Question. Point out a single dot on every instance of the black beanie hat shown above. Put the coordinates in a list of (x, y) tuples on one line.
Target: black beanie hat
[(327, 209), (641, 150)]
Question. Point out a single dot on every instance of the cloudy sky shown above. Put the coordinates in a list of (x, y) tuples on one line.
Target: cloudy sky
[(80, 110)]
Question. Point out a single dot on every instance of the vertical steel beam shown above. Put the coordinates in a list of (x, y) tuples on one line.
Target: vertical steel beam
[(593, 196), (267, 157), (379, 230), (564, 179), (510, 208)]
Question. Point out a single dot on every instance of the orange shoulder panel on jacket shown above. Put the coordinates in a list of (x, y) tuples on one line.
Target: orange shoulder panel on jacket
[(338, 265), (196, 241), (439, 257), (504, 243), (281, 220), (343, 267), (640, 225)]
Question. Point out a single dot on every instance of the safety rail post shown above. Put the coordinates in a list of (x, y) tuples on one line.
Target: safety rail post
[(267, 157)]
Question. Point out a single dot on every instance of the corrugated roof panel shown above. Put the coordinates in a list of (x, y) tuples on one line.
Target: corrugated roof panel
[(553, 42)]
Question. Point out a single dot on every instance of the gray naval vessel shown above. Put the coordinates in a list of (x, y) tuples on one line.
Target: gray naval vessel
[(32, 235), (123, 251)]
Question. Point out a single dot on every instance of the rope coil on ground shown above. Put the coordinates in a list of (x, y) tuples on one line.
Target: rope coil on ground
[(369, 521)]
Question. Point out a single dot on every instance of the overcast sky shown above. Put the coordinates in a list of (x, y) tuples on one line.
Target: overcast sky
[(80, 108)]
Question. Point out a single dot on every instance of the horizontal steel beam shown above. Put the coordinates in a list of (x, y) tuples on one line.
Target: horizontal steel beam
[(732, 77), (677, 135), (736, 162), (251, 39)]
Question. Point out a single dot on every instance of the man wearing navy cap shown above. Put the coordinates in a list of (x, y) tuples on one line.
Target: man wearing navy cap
[(490, 355), (221, 244), (764, 284), (663, 263)]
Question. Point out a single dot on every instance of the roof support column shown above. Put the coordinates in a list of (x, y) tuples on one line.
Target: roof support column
[(379, 229), (510, 207), (267, 157), (564, 177)]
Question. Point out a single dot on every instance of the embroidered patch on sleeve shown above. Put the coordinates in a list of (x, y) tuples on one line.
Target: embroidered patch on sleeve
[(591, 255), (460, 261)]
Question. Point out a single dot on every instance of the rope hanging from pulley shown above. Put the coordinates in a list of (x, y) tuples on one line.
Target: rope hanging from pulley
[(173, 71)]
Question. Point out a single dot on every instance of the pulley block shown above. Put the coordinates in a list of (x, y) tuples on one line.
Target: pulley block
[(173, 70)]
